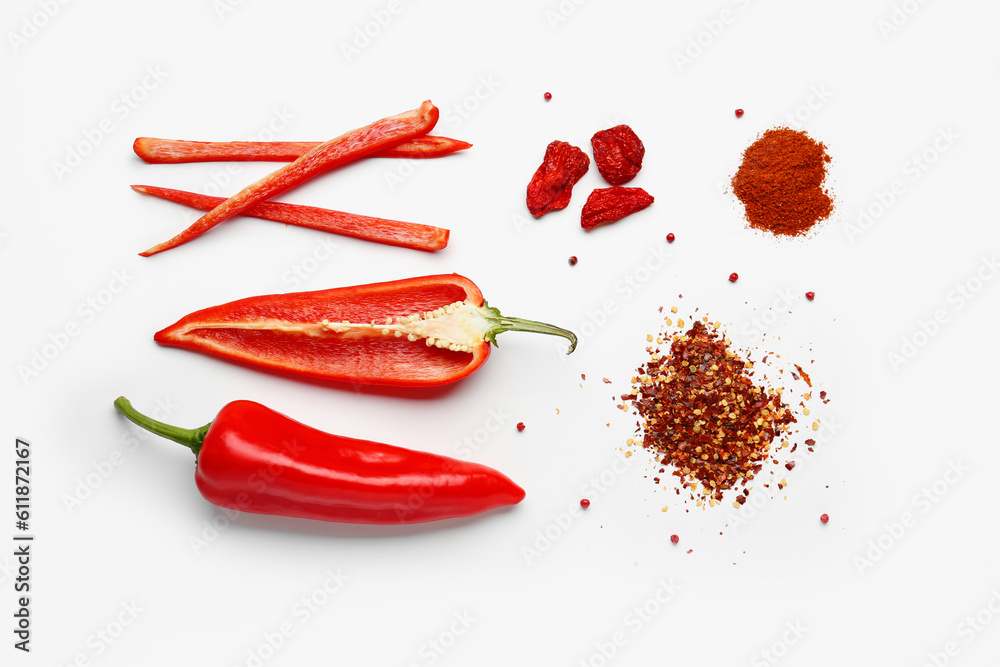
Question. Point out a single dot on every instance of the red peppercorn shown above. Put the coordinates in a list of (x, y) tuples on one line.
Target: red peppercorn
[(810, 295), (739, 113), (824, 518), (572, 260), (547, 96), (670, 237), (733, 277), (584, 503), (520, 426), (675, 539)]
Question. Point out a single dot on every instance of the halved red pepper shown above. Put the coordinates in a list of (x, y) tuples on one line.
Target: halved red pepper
[(253, 459), (423, 331)]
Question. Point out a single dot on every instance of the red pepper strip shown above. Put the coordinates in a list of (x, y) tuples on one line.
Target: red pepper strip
[(328, 155), (423, 331), (173, 151), (315, 475), (379, 230)]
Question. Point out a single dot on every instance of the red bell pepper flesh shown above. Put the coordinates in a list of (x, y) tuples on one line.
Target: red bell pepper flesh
[(316, 475), (347, 147), (175, 151), (298, 333), (379, 230)]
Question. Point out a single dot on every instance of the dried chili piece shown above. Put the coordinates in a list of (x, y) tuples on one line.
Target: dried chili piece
[(551, 186), (606, 205), (618, 153)]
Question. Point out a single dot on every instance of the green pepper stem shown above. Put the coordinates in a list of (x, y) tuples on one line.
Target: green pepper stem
[(189, 437), (500, 323)]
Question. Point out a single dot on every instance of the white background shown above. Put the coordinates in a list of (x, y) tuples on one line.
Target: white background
[(117, 518)]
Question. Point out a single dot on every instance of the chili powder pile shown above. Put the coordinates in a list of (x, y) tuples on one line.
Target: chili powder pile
[(780, 182), (702, 414)]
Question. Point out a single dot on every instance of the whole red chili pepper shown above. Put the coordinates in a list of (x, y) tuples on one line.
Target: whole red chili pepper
[(253, 459), (423, 331)]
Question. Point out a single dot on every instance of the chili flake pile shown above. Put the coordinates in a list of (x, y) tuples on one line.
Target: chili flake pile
[(702, 414)]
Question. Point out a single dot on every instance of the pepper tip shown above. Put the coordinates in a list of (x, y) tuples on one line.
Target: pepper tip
[(152, 251)]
